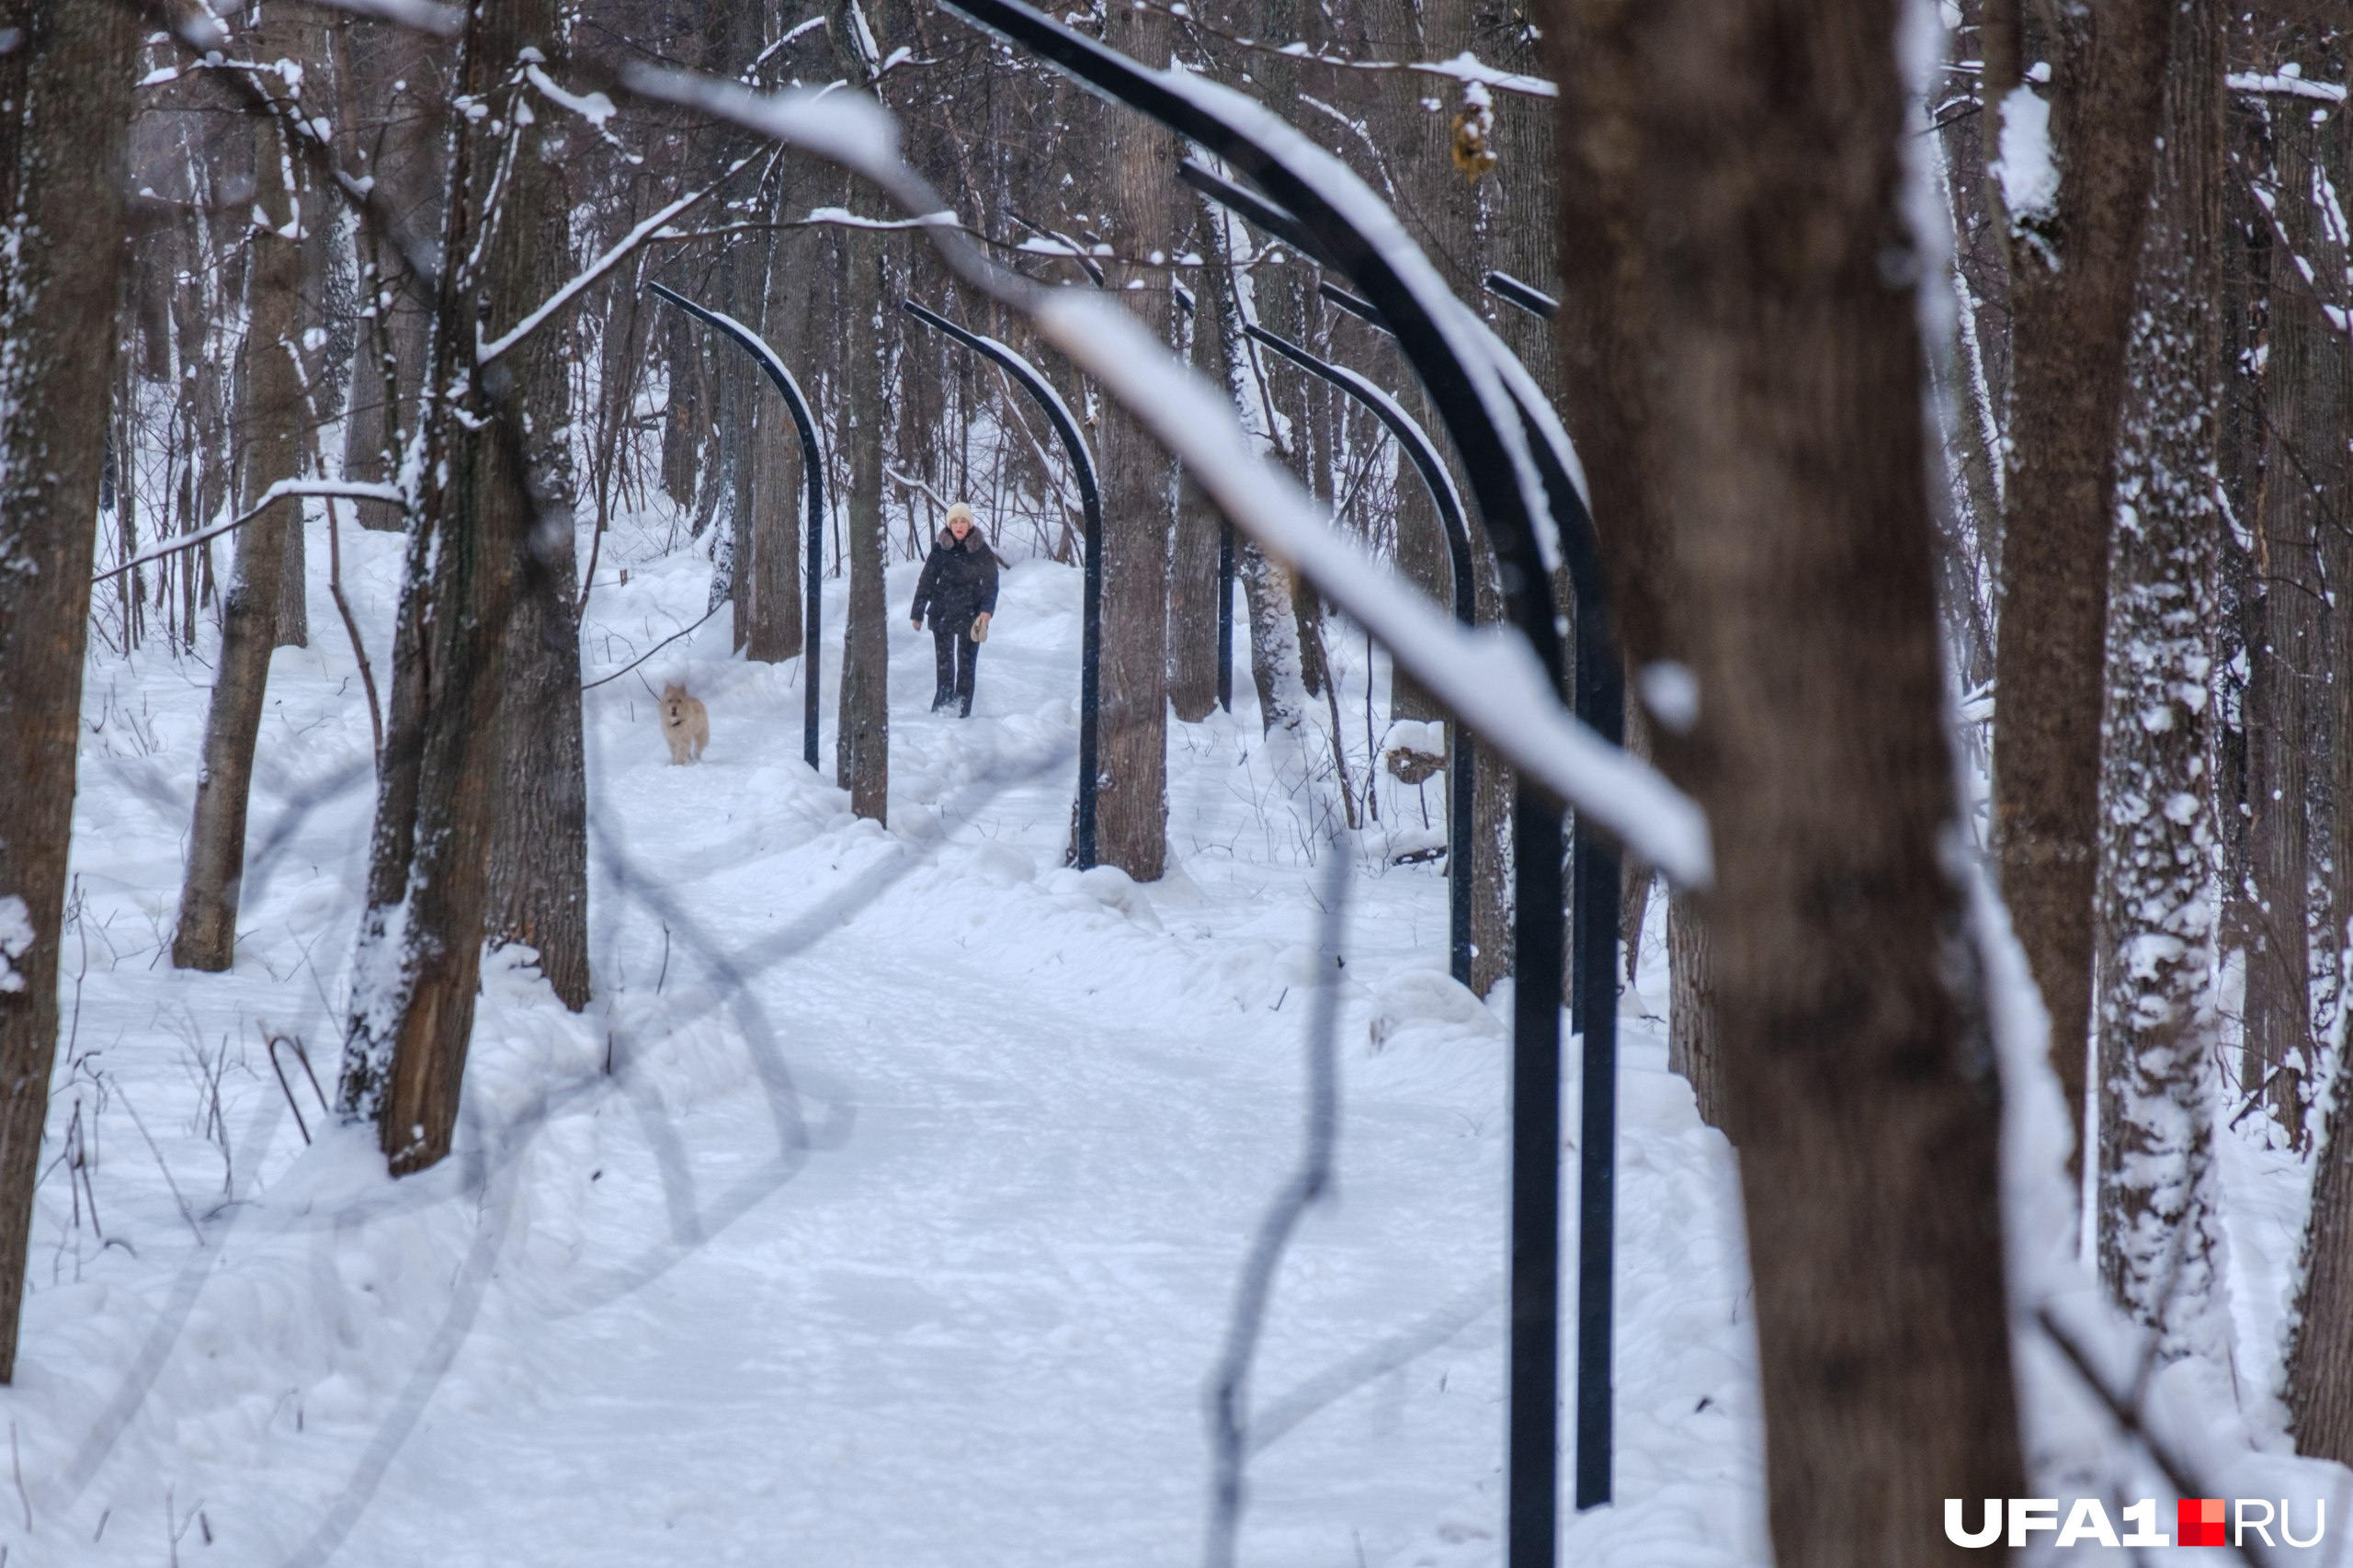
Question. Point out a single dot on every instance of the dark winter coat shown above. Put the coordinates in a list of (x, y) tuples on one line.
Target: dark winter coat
[(959, 581)]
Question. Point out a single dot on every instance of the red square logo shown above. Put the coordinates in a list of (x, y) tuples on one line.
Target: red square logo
[(2199, 1521)]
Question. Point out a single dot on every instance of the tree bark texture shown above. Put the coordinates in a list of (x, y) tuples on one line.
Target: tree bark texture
[(2293, 689), (2070, 296), (2311, 416), (1193, 585), (65, 106), (421, 936), (1693, 1046), (1857, 1060), (1139, 492), (402, 153), (1606, 379), (252, 613), (538, 862), (2159, 1213), (862, 750)]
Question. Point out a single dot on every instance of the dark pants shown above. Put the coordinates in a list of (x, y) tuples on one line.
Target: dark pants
[(956, 653)]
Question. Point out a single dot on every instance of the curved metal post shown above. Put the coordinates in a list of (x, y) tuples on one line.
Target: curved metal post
[(1363, 242), (1461, 763), (813, 514), (1527, 296), (1090, 657)]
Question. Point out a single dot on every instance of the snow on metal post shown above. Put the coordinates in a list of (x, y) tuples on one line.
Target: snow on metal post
[(1601, 700), (1090, 658), (813, 516), (1415, 443), (1527, 296), (1598, 698), (1364, 243)]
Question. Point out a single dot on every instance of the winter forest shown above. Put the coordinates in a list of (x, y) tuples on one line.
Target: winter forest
[(1383, 782)]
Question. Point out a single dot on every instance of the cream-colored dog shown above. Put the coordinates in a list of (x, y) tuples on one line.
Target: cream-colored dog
[(686, 724)]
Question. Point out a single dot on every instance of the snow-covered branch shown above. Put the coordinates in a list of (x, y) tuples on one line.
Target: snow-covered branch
[(341, 490), (1465, 67), (1488, 677), (422, 16), (2285, 83), (484, 353)]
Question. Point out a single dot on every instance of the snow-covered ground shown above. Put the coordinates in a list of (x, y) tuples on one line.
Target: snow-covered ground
[(885, 1206)]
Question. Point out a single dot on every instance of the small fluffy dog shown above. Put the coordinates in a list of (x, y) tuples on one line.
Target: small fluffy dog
[(686, 724)]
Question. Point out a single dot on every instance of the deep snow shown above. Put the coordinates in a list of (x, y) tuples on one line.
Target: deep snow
[(885, 1206)]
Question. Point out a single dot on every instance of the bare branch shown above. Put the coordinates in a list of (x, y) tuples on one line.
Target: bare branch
[(341, 489)]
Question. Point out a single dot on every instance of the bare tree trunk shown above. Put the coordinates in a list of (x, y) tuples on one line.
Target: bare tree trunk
[(2307, 438), (253, 613), (1265, 586), (66, 88), (539, 861), (2290, 694), (1607, 385), (1492, 789), (2160, 1221), (421, 936), (1193, 585), (291, 625), (1132, 807), (402, 153), (1856, 1057), (764, 497), (1693, 1046), (2071, 265), (862, 753)]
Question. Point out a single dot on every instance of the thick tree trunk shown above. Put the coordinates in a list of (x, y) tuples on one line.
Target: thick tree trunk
[(1693, 1046), (1607, 386), (862, 752), (2071, 293), (1857, 1065), (253, 614), (2160, 1220), (2292, 691), (65, 106), (538, 862), (421, 936), (767, 495), (291, 626), (1139, 490), (2320, 1353)]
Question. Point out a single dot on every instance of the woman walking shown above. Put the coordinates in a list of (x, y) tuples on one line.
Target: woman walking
[(959, 589)]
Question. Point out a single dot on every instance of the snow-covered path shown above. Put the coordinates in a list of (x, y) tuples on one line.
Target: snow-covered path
[(902, 1227)]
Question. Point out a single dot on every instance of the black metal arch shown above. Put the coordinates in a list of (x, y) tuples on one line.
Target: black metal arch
[(1527, 296), (1090, 658), (1433, 331), (813, 518), (1461, 763)]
